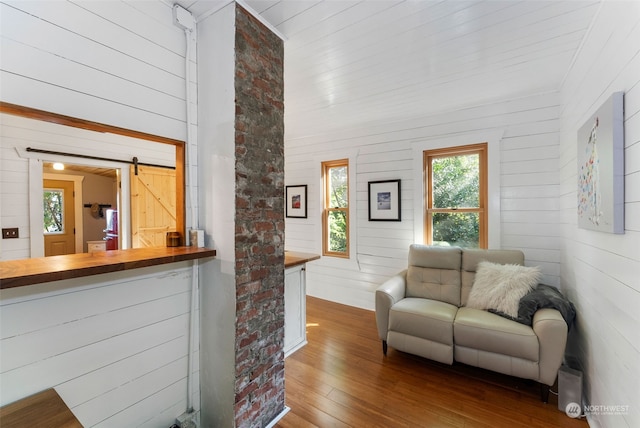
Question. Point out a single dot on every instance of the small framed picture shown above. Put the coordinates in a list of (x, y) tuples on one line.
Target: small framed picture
[(384, 200), (296, 197)]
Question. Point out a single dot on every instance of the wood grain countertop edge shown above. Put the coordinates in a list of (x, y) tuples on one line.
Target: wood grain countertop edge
[(295, 258), (19, 273)]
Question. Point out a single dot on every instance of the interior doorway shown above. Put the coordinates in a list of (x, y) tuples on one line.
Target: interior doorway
[(96, 194), (59, 217)]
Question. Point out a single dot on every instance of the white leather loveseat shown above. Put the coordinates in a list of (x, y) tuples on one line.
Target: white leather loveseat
[(422, 311)]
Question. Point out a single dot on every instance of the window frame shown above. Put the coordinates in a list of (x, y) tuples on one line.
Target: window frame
[(327, 209), (483, 212), (62, 213)]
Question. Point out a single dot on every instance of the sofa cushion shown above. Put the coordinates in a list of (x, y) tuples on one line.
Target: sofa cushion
[(482, 330), (472, 256), (424, 318), (434, 273), (500, 287)]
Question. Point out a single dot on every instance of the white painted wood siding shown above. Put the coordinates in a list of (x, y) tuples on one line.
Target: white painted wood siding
[(529, 184), (372, 61), (119, 63), (114, 346), (600, 271)]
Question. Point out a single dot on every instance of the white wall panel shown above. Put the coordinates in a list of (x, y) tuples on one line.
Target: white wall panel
[(146, 21), (599, 270), (104, 62), (27, 62), (122, 29), (216, 150), (51, 39), (20, 90), (529, 186), (114, 346)]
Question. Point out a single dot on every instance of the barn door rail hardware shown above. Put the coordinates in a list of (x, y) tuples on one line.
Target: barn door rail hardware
[(74, 155)]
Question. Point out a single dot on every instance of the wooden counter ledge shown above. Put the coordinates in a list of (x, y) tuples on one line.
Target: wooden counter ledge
[(44, 409), (294, 258), (18, 273)]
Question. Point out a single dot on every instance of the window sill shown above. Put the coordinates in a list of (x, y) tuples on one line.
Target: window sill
[(19, 273)]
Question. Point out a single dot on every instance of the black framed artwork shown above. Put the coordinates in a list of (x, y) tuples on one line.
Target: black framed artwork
[(296, 200), (384, 200)]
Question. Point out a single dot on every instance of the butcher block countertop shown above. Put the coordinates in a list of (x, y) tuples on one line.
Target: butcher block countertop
[(45, 409), (294, 258), (18, 273)]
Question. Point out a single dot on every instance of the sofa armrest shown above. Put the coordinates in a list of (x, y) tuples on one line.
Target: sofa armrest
[(387, 294), (551, 330)]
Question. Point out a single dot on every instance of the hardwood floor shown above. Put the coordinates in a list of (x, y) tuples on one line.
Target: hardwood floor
[(341, 379)]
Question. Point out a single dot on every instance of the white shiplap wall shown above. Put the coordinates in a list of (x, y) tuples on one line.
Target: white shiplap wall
[(119, 63), (528, 189), (114, 347), (600, 271)]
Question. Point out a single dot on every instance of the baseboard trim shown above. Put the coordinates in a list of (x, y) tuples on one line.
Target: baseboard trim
[(278, 417)]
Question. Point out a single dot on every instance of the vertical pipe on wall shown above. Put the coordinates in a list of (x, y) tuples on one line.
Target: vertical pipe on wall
[(194, 225), (184, 20)]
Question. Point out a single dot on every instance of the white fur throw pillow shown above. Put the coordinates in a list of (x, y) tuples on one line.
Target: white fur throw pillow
[(500, 287)]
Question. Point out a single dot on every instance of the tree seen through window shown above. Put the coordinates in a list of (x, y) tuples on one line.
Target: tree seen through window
[(336, 209), (53, 201), (455, 203)]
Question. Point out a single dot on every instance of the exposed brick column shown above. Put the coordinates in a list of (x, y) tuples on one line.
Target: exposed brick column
[(259, 234)]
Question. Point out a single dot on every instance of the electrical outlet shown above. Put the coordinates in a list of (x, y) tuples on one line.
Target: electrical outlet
[(188, 420), (10, 233)]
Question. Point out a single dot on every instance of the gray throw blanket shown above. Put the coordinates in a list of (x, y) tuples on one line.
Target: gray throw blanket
[(542, 296)]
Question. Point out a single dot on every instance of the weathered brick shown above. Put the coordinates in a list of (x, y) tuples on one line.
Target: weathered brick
[(258, 274), (259, 219)]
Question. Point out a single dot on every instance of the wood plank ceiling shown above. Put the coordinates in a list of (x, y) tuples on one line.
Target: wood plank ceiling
[(104, 172), (354, 63)]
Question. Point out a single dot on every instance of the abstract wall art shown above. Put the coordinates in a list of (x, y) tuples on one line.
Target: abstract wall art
[(601, 168)]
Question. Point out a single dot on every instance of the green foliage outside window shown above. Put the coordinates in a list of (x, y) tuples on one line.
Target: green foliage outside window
[(337, 232), (338, 198), (53, 209), (456, 184)]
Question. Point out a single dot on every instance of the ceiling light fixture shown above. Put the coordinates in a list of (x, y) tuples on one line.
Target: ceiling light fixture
[(58, 166)]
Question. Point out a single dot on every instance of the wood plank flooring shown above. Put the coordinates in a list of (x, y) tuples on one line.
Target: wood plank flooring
[(341, 379)]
